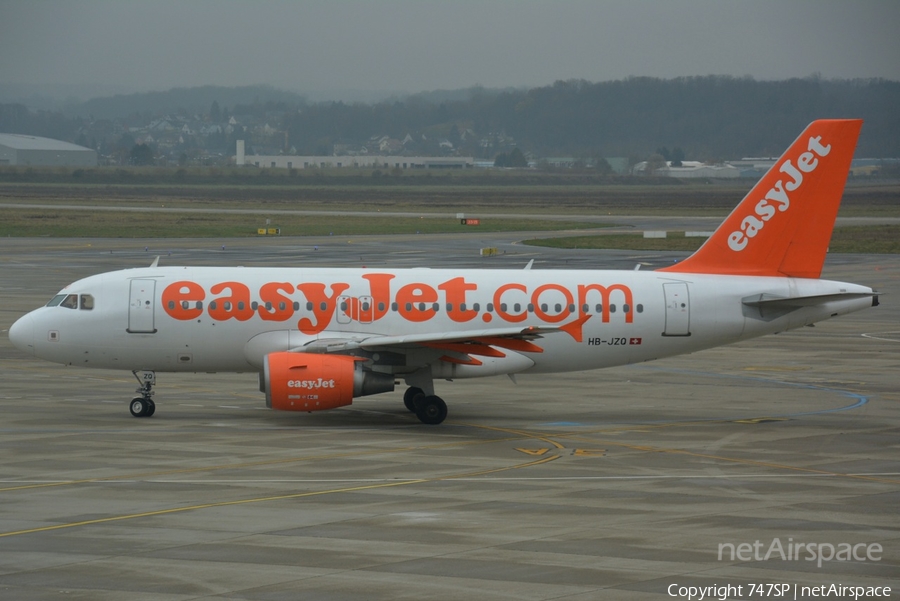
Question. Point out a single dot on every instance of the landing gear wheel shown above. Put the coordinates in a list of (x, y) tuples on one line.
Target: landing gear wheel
[(143, 406), (409, 398), (431, 410), (138, 407)]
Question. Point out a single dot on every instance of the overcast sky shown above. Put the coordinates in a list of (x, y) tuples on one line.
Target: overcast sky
[(418, 45)]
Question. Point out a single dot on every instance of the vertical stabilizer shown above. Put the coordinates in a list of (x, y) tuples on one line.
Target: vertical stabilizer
[(784, 224)]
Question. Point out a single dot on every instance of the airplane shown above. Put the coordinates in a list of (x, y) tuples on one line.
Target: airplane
[(318, 338)]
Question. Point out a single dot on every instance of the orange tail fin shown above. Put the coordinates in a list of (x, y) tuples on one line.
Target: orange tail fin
[(783, 226)]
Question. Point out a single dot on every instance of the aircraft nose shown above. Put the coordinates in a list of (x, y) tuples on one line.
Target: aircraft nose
[(21, 334)]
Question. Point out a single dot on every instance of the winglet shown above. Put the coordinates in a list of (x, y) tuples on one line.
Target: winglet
[(784, 224)]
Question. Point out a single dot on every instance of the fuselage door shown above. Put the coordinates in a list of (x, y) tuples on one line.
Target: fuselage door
[(678, 309), (344, 311), (140, 307), (366, 309)]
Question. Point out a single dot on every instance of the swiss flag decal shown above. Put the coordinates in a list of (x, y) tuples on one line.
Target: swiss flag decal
[(634, 341)]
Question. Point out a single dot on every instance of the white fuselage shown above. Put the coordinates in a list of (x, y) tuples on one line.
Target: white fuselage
[(227, 319)]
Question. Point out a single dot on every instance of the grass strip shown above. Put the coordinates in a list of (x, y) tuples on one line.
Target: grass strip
[(123, 224), (876, 239)]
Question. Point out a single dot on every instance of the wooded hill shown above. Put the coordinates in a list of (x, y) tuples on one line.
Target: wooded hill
[(708, 117)]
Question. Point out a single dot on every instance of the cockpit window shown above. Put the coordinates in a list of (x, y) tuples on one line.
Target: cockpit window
[(70, 302), (54, 302)]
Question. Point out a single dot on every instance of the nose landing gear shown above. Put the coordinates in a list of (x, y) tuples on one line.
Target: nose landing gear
[(143, 406)]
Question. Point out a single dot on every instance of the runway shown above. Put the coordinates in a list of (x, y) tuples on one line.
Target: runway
[(612, 484)]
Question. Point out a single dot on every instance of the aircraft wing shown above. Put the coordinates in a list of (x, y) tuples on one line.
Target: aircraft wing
[(512, 338)]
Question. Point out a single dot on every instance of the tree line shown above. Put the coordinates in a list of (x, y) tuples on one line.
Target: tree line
[(704, 118)]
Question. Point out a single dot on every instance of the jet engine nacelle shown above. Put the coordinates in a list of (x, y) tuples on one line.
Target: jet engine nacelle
[(315, 382)]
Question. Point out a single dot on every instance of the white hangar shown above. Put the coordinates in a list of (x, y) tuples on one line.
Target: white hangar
[(18, 149)]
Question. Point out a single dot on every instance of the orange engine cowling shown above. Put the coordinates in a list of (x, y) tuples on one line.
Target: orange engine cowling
[(314, 382)]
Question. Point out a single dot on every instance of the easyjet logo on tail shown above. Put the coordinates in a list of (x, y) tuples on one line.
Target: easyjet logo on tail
[(779, 194)]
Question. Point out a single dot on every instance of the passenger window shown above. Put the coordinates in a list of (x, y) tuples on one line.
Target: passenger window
[(70, 302)]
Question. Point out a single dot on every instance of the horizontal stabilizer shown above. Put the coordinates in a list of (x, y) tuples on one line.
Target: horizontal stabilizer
[(769, 301)]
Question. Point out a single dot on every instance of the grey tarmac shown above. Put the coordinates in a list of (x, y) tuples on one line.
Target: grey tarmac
[(612, 484)]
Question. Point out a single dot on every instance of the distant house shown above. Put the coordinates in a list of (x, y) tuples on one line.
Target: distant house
[(390, 146), (160, 125)]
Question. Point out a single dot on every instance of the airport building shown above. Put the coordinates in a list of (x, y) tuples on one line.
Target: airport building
[(18, 149), (692, 169), (361, 161)]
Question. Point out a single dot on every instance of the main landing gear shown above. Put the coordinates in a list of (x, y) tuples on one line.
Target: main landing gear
[(143, 406), (430, 409)]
